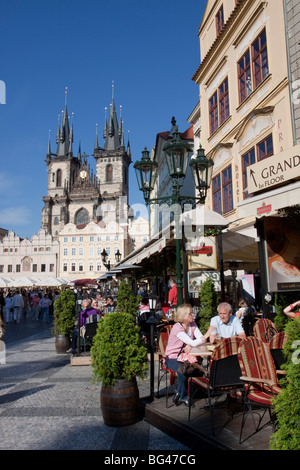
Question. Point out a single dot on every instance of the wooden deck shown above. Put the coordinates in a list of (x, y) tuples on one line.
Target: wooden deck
[(197, 433)]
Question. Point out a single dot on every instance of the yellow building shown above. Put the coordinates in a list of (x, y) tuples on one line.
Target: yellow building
[(245, 111)]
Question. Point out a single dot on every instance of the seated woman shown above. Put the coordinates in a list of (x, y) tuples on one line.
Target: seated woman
[(184, 333), (87, 311)]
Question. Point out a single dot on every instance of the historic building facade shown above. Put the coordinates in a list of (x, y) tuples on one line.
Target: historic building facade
[(249, 111), (84, 213), (34, 258)]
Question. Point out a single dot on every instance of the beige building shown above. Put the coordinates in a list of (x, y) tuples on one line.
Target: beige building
[(32, 258), (245, 111), (81, 248)]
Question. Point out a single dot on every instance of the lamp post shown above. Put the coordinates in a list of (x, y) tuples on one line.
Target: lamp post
[(106, 262), (177, 156)]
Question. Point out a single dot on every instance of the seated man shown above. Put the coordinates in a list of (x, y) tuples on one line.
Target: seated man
[(226, 324)]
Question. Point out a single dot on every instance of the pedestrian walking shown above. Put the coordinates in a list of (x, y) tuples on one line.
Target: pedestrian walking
[(44, 305)]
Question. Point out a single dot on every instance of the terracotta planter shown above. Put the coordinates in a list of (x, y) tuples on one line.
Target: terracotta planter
[(120, 403), (62, 344)]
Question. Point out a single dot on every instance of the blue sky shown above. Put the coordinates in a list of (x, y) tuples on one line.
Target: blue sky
[(150, 49)]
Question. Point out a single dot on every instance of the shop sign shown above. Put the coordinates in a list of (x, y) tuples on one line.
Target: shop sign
[(264, 209), (274, 170), (202, 253)]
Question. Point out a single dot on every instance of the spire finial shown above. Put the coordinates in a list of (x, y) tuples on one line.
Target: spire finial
[(113, 89), (96, 140), (66, 95), (49, 148)]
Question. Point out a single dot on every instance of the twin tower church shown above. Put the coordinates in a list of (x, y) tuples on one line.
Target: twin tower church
[(85, 213), (75, 194)]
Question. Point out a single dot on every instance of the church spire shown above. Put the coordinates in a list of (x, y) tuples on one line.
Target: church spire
[(96, 140), (111, 132), (63, 134), (49, 147)]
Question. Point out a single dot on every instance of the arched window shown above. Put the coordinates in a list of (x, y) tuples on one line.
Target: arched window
[(109, 172), (58, 177), (56, 221), (82, 217)]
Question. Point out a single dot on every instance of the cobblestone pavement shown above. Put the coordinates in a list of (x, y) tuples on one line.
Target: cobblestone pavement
[(47, 404)]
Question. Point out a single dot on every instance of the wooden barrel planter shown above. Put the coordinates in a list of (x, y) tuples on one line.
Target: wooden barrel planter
[(120, 403), (62, 344)]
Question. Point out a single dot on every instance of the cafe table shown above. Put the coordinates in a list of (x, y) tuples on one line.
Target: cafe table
[(204, 350)]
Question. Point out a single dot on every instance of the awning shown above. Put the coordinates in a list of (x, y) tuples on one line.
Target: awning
[(148, 250), (4, 281), (240, 245), (267, 202), (201, 216), (125, 267), (23, 282)]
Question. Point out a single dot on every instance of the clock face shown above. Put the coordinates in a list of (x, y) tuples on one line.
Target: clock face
[(83, 174)]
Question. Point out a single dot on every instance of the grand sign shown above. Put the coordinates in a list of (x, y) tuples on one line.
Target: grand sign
[(274, 170)]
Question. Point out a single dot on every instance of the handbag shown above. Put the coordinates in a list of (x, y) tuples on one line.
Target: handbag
[(189, 364)]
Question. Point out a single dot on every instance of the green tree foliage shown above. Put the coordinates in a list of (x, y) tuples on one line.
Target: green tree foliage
[(64, 313), (287, 403), (282, 300), (209, 299), (127, 302), (117, 351)]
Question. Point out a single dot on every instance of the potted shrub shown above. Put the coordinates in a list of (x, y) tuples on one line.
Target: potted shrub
[(118, 357), (127, 302), (64, 317), (208, 298)]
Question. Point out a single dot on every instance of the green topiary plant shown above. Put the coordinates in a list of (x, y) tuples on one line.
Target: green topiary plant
[(209, 298), (287, 402), (64, 313), (117, 351), (282, 300), (127, 302)]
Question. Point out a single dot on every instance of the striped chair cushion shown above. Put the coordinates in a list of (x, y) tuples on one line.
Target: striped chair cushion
[(256, 361), (278, 341)]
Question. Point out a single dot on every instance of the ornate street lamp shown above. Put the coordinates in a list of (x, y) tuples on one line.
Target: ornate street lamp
[(202, 169), (177, 156), (118, 256), (104, 256), (145, 171)]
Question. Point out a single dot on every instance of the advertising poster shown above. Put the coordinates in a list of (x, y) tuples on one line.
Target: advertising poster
[(248, 289), (283, 250), (202, 254), (196, 279)]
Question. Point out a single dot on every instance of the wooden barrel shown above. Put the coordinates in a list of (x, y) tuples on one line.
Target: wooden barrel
[(120, 403), (62, 344)]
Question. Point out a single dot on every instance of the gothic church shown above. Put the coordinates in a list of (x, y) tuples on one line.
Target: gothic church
[(75, 194)]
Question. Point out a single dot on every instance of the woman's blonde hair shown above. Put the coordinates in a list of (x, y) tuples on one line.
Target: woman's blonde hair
[(182, 311)]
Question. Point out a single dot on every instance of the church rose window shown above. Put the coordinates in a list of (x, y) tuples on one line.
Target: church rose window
[(82, 217)]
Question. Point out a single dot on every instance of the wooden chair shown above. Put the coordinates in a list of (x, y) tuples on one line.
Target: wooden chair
[(276, 345), (264, 329), (224, 376), (89, 330), (163, 371), (260, 378)]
